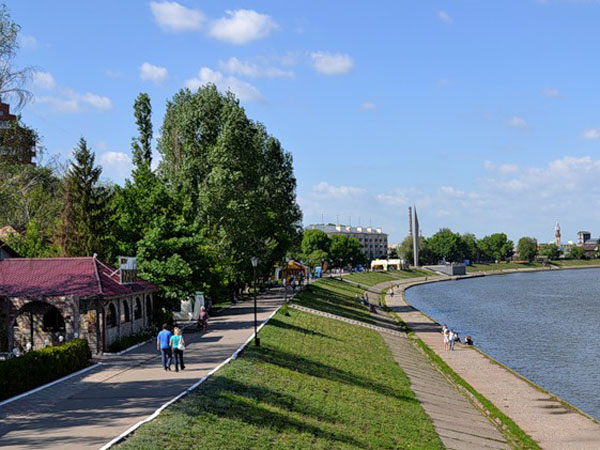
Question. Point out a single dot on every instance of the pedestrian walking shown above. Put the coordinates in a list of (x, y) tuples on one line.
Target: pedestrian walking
[(203, 318), (163, 345), (446, 338), (178, 346), (451, 336)]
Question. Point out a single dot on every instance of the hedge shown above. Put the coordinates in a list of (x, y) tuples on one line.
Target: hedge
[(128, 341), (42, 366)]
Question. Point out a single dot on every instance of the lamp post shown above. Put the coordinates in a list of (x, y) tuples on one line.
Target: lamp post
[(254, 261), (287, 263)]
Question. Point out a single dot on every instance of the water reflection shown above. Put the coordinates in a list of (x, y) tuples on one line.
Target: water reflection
[(544, 325)]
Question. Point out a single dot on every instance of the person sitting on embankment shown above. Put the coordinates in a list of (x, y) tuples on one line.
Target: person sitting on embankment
[(468, 340)]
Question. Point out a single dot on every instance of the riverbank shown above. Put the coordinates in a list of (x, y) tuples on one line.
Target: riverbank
[(550, 421)]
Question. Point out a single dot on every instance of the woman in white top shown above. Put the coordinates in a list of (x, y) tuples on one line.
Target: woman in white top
[(446, 339)]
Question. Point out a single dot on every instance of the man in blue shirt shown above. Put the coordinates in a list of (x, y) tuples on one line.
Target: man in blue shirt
[(162, 345)]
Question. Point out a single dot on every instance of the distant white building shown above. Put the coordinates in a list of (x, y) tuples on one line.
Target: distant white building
[(373, 240)]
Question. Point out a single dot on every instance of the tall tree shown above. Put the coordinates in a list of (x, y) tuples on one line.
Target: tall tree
[(527, 248), (344, 251), (446, 245), (84, 230), (496, 247), (142, 145)]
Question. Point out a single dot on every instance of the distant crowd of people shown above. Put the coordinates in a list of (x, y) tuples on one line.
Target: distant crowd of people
[(451, 337)]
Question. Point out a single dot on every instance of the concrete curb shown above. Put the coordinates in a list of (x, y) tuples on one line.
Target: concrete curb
[(154, 415), (52, 383)]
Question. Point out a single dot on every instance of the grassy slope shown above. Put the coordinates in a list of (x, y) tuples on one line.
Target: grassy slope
[(502, 266), (336, 297), (373, 278), (577, 262), (314, 383)]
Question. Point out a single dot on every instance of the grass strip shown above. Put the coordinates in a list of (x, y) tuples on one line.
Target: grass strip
[(336, 297), (373, 278), (509, 428), (313, 383)]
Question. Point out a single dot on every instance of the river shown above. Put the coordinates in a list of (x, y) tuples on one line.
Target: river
[(543, 325)]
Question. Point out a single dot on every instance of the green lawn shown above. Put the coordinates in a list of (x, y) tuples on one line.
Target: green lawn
[(314, 383), (373, 278), (502, 266), (336, 297), (577, 262)]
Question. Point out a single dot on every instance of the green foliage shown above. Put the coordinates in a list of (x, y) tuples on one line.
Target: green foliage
[(42, 366), (551, 251), (33, 243), (30, 193), (446, 245), (345, 251), (406, 251), (471, 247), (235, 180), (85, 223), (128, 341), (527, 248), (576, 252), (315, 240), (496, 247), (142, 146)]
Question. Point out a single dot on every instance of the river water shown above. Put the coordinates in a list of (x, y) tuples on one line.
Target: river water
[(543, 325)]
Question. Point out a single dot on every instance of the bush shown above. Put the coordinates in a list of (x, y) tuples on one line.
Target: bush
[(42, 366), (128, 341)]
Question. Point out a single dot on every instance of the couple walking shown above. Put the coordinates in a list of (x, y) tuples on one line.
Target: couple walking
[(169, 345), (450, 337)]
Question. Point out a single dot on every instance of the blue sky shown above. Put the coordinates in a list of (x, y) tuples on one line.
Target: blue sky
[(485, 114)]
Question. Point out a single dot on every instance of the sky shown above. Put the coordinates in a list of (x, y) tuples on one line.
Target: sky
[(483, 114)]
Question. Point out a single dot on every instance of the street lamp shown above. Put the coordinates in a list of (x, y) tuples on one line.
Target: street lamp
[(287, 264), (254, 261)]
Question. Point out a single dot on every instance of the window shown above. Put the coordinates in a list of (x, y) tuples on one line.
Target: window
[(111, 316), (53, 321), (137, 312), (126, 317), (148, 305)]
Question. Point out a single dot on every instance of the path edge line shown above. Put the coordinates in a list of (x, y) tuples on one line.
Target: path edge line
[(155, 414), (47, 385)]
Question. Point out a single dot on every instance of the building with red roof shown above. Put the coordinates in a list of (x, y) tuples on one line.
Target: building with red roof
[(42, 299)]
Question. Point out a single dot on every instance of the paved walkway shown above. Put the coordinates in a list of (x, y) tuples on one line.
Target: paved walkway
[(460, 425), (88, 411), (540, 415)]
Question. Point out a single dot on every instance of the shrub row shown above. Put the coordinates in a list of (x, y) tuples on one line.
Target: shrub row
[(42, 366), (128, 341)]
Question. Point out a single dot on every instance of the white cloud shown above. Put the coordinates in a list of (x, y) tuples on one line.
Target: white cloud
[(452, 192), (368, 106), (551, 92), (235, 66), (112, 73), (445, 17), (28, 41), (116, 163), (150, 72), (443, 82), (44, 80), (502, 168), (115, 158), (332, 63), (70, 101), (591, 134), (242, 26), (175, 17), (242, 89), (328, 190), (517, 122)]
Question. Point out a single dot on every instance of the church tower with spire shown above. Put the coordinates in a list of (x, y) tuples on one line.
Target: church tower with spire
[(557, 234)]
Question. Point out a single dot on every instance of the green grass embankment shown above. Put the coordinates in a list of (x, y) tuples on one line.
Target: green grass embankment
[(576, 262), (373, 278), (336, 297), (314, 383), (503, 266)]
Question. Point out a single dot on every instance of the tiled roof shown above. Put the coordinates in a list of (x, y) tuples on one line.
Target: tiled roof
[(50, 277)]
